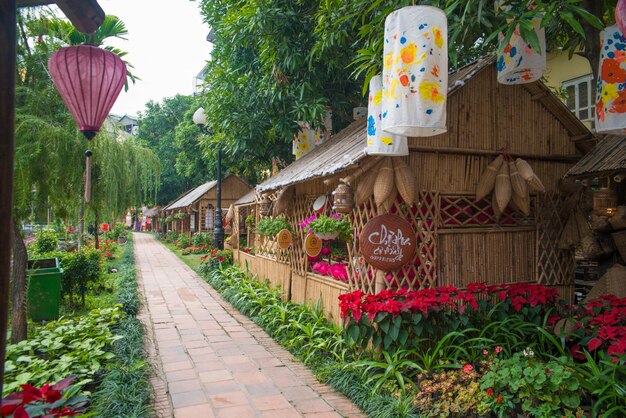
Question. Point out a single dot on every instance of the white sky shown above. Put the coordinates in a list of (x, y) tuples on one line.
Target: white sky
[(166, 45)]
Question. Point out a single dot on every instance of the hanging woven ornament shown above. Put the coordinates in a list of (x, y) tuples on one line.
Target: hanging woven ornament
[(415, 72), (517, 61), (380, 142), (89, 79), (611, 92)]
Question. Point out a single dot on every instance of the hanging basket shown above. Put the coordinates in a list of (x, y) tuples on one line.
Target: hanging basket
[(327, 236)]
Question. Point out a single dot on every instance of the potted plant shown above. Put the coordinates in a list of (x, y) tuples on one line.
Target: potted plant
[(169, 219), (250, 220), (331, 227), (272, 226), (180, 215)]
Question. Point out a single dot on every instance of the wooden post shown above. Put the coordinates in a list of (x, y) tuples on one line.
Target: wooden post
[(7, 148)]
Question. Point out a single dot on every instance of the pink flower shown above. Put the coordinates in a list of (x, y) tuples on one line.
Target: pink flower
[(498, 349), (325, 251), (485, 352), (468, 368)]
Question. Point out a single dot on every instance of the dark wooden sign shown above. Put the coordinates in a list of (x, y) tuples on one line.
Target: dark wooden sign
[(284, 239), (312, 245), (387, 242)]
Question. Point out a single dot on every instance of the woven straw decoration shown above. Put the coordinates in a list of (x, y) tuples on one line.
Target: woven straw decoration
[(517, 182), (405, 181), (496, 210), (365, 188), (283, 200), (388, 203), (230, 215), (521, 202), (488, 178), (524, 169), (503, 188), (384, 184)]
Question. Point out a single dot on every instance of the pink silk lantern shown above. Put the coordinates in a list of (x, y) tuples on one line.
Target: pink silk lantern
[(620, 15), (89, 79)]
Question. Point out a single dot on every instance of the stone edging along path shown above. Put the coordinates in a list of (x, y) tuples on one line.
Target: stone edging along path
[(212, 361)]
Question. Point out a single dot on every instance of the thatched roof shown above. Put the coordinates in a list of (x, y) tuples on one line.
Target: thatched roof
[(606, 158), (191, 196), (347, 148), (247, 198)]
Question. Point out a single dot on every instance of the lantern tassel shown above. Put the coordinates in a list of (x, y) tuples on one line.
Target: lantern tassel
[(88, 155)]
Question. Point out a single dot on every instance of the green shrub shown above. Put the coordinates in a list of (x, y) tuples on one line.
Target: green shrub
[(171, 236), (183, 241), (80, 268), (202, 239), (524, 383), (272, 226), (79, 346), (125, 390), (46, 241)]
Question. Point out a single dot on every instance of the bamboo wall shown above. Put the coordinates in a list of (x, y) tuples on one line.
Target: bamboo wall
[(459, 239)]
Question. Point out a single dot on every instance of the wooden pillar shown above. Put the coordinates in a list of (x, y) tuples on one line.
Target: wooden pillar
[(7, 149)]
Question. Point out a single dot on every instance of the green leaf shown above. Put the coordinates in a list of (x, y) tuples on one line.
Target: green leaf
[(569, 18)]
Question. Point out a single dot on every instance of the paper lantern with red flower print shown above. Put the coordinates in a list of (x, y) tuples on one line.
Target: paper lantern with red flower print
[(415, 72), (89, 79), (380, 142), (611, 92)]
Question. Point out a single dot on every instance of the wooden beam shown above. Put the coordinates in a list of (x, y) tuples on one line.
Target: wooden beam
[(86, 15), (7, 148), (469, 151)]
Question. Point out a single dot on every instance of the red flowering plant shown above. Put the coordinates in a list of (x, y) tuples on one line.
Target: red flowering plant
[(50, 401), (216, 258), (600, 325), (392, 318), (108, 248)]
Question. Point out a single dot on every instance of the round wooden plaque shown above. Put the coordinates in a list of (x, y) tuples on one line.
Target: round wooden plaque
[(387, 242), (284, 239), (312, 245)]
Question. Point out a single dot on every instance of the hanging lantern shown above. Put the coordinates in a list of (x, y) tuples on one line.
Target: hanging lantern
[(517, 61), (343, 198), (380, 142), (605, 202), (265, 205), (88, 155), (620, 15), (307, 138), (275, 168), (89, 79), (611, 92), (415, 72)]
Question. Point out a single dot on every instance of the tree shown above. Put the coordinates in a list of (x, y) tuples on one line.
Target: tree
[(157, 131), (267, 72)]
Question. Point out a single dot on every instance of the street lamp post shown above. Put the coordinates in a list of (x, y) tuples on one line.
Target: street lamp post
[(199, 118)]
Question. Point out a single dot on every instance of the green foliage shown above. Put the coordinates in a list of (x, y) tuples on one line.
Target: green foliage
[(324, 224), (539, 388), (46, 241), (250, 220), (61, 348), (202, 238), (269, 227), (183, 241), (80, 268), (605, 381), (125, 391), (266, 70), (399, 367), (171, 236)]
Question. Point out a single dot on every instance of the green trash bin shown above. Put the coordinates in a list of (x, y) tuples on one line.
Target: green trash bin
[(44, 289)]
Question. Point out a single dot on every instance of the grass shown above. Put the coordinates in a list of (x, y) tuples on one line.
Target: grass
[(192, 260)]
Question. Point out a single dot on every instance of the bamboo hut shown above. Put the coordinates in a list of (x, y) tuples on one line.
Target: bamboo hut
[(459, 237), (194, 211)]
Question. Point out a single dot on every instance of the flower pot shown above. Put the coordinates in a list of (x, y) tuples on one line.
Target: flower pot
[(327, 236)]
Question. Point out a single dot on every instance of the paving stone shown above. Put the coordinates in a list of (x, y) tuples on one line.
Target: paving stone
[(226, 399), (264, 403), (197, 411), (182, 399)]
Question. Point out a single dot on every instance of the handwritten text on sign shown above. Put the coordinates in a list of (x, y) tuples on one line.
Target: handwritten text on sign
[(387, 242)]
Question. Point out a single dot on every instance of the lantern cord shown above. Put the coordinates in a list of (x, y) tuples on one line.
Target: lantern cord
[(88, 179)]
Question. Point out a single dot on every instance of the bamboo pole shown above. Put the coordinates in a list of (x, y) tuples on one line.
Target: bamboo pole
[(469, 151)]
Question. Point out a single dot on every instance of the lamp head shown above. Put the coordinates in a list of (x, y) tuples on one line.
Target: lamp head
[(199, 117)]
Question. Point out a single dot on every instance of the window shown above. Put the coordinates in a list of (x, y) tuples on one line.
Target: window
[(581, 98)]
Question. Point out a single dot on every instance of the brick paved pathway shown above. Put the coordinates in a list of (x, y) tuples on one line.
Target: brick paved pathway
[(210, 360)]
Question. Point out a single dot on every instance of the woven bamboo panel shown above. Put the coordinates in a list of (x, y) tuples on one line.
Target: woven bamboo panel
[(464, 211), (302, 210), (502, 255), (421, 271), (555, 267), (326, 291), (262, 268)]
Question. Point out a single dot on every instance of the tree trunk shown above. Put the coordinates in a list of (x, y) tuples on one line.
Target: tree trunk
[(19, 323), (592, 36), (81, 223)]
